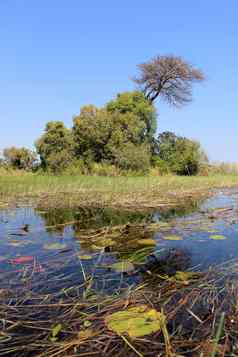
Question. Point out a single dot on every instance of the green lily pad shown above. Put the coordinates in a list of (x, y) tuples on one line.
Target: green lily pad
[(54, 246), (146, 242), (55, 332), (136, 321), (217, 237), (123, 267), (173, 237), (186, 276)]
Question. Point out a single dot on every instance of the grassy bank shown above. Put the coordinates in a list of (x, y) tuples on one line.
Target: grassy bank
[(127, 192)]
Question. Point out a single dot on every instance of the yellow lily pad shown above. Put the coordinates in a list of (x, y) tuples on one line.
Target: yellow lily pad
[(146, 242), (173, 237), (55, 246), (136, 321), (123, 266), (217, 237), (186, 276), (85, 257)]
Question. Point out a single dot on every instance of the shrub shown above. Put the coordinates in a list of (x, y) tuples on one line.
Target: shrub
[(180, 155), (19, 158), (133, 157)]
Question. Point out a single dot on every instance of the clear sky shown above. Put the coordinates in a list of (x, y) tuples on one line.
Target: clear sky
[(57, 55)]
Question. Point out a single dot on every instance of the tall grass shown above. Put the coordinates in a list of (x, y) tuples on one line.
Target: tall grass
[(143, 191)]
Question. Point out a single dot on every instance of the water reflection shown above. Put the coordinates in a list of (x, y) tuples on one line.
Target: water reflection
[(57, 249)]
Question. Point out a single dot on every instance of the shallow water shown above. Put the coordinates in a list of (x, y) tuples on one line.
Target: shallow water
[(48, 250)]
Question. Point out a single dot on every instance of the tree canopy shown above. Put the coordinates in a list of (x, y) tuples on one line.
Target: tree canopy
[(170, 77), (55, 147)]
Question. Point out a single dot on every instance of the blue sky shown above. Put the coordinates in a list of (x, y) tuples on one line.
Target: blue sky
[(58, 55)]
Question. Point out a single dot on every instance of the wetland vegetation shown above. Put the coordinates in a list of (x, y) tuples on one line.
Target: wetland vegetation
[(87, 281), (116, 240)]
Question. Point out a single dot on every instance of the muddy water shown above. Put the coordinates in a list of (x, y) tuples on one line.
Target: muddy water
[(49, 250)]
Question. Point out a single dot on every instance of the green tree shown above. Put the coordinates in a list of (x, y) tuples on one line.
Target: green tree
[(19, 158), (179, 154), (92, 130), (100, 133), (55, 147), (136, 103)]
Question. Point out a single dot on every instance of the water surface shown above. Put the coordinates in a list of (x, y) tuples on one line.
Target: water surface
[(49, 250)]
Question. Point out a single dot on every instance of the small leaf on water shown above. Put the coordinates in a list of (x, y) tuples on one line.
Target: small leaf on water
[(123, 267), (85, 257), (22, 260), (136, 321), (186, 276), (15, 243), (54, 246), (87, 323), (217, 237), (56, 330), (146, 242), (173, 237)]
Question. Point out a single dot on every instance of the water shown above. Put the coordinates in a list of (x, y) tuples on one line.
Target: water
[(49, 250)]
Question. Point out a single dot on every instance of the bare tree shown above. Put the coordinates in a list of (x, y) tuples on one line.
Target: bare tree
[(169, 77)]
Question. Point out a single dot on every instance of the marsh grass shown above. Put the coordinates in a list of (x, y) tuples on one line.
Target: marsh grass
[(201, 319), (127, 192)]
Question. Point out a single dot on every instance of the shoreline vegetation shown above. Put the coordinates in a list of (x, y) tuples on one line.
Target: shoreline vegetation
[(136, 193)]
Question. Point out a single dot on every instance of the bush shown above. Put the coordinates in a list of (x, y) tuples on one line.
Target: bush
[(19, 158), (133, 157), (180, 155)]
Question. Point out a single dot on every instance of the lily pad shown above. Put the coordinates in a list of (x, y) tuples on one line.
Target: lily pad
[(217, 237), (19, 243), (85, 257), (136, 321), (186, 276), (146, 242), (123, 267), (173, 237), (54, 246)]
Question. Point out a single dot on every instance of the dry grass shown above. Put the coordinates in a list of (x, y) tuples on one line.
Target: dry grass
[(194, 313)]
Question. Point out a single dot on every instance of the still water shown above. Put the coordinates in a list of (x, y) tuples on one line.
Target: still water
[(49, 250)]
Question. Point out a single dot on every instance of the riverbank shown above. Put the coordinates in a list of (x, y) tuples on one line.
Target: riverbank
[(137, 193)]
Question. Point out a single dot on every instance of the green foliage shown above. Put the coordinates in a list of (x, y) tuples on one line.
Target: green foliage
[(133, 157), (56, 147), (136, 103), (180, 155), (111, 136), (92, 130), (19, 158)]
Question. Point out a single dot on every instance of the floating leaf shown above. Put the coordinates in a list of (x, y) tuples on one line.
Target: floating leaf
[(85, 257), (55, 331), (136, 321), (140, 255), (123, 267), (146, 242), (22, 260), (217, 237), (16, 243), (87, 323), (54, 246), (173, 237), (186, 276)]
